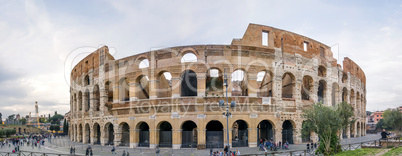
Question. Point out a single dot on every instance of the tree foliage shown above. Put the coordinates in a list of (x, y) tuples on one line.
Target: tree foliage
[(7, 132), (393, 119), (326, 122), (55, 119)]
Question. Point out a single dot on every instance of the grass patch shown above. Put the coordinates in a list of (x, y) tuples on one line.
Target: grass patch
[(394, 152), (359, 152)]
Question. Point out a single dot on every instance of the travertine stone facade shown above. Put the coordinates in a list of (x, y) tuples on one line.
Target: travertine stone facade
[(163, 98)]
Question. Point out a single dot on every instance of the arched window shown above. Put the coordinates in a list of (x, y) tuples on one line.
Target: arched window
[(322, 71), (264, 81), (189, 57), (344, 94), (87, 101), (144, 64), (80, 101), (322, 86), (96, 95), (239, 83), (307, 88), (344, 77), (143, 87), (287, 85), (164, 84), (86, 80), (188, 83), (124, 90), (214, 82), (109, 91)]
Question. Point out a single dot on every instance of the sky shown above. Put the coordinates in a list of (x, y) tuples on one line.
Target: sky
[(41, 40)]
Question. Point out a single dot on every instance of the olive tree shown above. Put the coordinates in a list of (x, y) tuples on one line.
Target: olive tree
[(393, 118)]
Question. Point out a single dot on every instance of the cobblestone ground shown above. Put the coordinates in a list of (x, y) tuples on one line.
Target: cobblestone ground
[(62, 146)]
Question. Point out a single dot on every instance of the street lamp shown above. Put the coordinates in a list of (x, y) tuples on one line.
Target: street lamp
[(222, 104)]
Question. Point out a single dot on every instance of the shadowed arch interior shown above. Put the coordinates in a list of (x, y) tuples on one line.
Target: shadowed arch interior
[(214, 134), (188, 83), (189, 135)]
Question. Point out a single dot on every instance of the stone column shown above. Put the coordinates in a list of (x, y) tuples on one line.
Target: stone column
[(176, 138), (153, 88), (348, 131), (252, 87), (278, 134), (92, 134), (132, 91), (154, 138), (176, 86), (134, 138), (117, 135), (103, 136), (116, 89), (201, 142), (252, 137), (201, 84), (297, 135)]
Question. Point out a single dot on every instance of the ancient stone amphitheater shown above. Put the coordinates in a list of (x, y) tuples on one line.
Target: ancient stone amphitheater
[(169, 97)]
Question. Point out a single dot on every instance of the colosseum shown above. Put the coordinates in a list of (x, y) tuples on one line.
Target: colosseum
[(170, 97)]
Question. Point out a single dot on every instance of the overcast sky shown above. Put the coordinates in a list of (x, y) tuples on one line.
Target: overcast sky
[(39, 39)]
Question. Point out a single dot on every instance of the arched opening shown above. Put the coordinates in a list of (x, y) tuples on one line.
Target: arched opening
[(358, 101), (239, 83), (87, 100), (322, 71), (358, 129), (165, 134), (189, 57), (80, 129), (344, 94), (344, 77), (109, 91), (188, 83), (87, 136), (143, 87), (264, 82), (164, 84), (265, 131), (143, 134), (214, 137), (97, 133), (305, 133), (143, 64), (80, 101), (109, 131), (19, 130), (240, 134), (125, 135), (352, 130), (96, 95), (287, 132), (322, 87), (352, 99), (86, 80), (287, 85), (307, 88), (335, 94), (189, 135), (214, 82), (124, 90)]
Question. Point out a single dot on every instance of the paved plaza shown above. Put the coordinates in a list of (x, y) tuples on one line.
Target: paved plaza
[(62, 146)]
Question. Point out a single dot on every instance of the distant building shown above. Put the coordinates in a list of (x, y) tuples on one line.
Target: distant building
[(377, 116)]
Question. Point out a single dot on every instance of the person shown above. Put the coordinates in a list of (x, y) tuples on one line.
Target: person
[(280, 143), (210, 151), (90, 152), (312, 145), (113, 150), (384, 134), (87, 152), (124, 153), (157, 151), (128, 154), (226, 150), (71, 150), (308, 147), (238, 152), (315, 145)]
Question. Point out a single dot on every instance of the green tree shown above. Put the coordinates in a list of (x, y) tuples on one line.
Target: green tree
[(23, 121), (326, 122), (56, 119), (393, 119), (11, 117)]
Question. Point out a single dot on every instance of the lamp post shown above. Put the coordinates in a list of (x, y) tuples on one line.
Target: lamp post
[(222, 104)]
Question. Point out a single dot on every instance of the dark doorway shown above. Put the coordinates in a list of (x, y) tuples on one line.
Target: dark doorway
[(125, 135), (214, 135), (265, 131), (144, 135), (189, 135), (287, 132), (240, 134), (110, 131), (189, 83), (97, 134), (165, 134)]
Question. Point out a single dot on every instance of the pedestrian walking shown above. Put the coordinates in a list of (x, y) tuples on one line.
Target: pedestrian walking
[(157, 151), (124, 153), (114, 150)]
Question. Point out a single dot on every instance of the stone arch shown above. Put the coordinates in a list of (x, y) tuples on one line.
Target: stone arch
[(344, 94), (189, 57), (87, 132), (288, 85), (322, 71), (239, 84), (287, 131), (144, 63), (344, 77), (143, 87), (143, 135), (214, 82), (265, 83), (240, 133), (335, 93), (214, 134), (189, 134), (109, 91), (307, 87), (352, 98), (358, 102), (87, 81), (109, 133), (164, 84), (265, 130), (124, 90), (97, 133), (322, 91), (125, 134), (80, 129), (165, 134), (96, 97), (87, 101), (188, 83), (79, 101), (187, 50)]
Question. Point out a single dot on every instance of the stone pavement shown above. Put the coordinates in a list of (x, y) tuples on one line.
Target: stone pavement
[(62, 146)]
